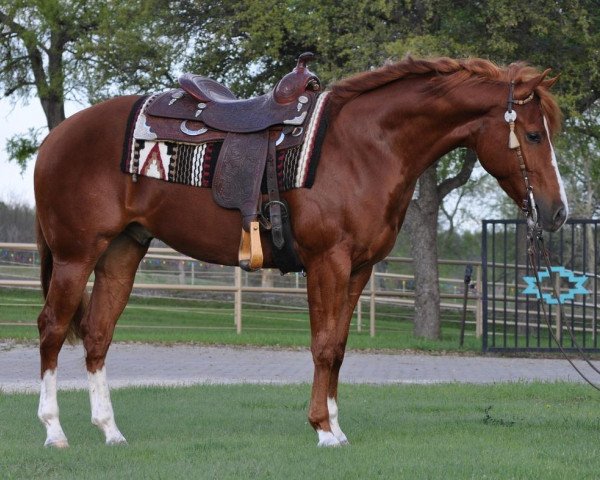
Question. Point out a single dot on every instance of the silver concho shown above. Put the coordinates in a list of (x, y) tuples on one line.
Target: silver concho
[(299, 120), (176, 95), (192, 133), (510, 116), (201, 107)]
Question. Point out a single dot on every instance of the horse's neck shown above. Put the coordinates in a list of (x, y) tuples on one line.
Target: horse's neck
[(407, 130)]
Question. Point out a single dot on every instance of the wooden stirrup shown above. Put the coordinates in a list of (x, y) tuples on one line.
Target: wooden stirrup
[(250, 255)]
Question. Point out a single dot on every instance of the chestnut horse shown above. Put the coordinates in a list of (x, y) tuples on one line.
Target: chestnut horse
[(386, 127)]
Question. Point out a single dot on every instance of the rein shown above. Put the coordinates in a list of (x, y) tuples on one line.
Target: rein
[(535, 240)]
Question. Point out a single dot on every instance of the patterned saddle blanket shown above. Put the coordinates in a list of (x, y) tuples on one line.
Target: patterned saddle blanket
[(173, 156)]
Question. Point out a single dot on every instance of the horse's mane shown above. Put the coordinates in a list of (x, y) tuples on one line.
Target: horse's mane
[(451, 73)]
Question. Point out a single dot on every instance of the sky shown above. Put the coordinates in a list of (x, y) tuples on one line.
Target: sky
[(14, 119)]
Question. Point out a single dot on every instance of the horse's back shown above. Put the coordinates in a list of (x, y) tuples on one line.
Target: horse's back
[(100, 127)]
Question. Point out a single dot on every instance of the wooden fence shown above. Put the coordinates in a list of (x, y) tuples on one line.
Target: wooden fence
[(235, 281)]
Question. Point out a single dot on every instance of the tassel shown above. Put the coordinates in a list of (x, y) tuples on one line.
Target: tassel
[(513, 141)]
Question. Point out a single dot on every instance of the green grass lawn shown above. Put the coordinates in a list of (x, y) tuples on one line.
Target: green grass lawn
[(521, 431), (148, 319)]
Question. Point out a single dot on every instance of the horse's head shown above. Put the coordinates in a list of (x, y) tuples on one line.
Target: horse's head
[(524, 162)]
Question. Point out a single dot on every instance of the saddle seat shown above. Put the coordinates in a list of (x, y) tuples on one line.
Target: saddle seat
[(287, 104)]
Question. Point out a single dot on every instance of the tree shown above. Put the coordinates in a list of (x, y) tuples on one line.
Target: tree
[(422, 225), (250, 44), (81, 50), (16, 222), (556, 33)]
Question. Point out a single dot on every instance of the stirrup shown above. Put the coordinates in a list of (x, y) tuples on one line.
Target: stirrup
[(250, 255)]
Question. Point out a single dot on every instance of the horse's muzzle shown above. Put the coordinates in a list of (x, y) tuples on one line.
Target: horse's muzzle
[(552, 219)]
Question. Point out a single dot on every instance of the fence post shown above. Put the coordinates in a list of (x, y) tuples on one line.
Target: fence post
[(237, 309), (359, 316), (372, 306), (557, 311), (478, 304)]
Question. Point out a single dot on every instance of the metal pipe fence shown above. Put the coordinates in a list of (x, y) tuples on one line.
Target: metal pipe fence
[(512, 317)]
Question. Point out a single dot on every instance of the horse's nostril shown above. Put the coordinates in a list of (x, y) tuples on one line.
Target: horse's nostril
[(560, 216)]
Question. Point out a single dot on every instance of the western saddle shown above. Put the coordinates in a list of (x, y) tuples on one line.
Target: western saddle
[(251, 129)]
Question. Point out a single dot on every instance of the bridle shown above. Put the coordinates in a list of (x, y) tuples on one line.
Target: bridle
[(535, 240), (528, 204)]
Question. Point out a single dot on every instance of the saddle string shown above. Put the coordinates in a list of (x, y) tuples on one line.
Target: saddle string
[(535, 238)]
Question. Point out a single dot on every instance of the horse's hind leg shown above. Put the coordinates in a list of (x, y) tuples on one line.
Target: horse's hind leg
[(114, 276), (63, 300)]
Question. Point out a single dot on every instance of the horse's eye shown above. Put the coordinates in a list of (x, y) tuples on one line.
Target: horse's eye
[(534, 137)]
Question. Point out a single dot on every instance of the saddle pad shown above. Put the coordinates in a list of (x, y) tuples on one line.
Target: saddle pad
[(194, 164)]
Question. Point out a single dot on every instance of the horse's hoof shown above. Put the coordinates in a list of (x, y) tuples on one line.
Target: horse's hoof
[(56, 443), (120, 440), (327, 439)]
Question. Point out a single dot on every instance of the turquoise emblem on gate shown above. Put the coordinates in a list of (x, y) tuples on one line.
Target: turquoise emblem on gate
[(576, 281)]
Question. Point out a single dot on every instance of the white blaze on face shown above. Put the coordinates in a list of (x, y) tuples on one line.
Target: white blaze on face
[(563, 195), (102, 411)]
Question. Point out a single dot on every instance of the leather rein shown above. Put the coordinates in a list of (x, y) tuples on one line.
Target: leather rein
[(535, 240)]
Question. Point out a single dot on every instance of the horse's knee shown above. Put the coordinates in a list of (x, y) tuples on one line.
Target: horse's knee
[(327, 352)]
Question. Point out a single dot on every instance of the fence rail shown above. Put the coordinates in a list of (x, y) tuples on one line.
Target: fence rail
[(190, 275)]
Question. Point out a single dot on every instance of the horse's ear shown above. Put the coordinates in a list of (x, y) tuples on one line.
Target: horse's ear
[(522, 90), (550, 82)]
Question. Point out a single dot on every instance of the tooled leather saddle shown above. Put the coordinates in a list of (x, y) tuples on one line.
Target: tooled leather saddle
[(251, 129)]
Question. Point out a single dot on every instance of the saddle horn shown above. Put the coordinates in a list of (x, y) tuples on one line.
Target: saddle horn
[(291, 86)]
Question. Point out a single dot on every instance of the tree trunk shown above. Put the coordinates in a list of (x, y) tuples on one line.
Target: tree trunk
[(54, 109), (421, 221)]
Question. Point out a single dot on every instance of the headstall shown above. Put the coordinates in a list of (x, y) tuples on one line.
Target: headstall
[(529, 207)]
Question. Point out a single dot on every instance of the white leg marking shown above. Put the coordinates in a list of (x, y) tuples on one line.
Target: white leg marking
[(48, 412), (327, 439), (563, 195), (102, 412), (333, 421)]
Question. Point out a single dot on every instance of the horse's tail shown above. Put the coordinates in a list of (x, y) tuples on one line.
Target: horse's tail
[(46, 265)]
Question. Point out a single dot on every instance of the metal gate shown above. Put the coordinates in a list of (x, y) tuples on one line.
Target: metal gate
[(512, 304)]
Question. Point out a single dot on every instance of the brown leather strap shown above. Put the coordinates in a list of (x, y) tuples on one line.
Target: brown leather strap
[(274, 205), (284, 254)]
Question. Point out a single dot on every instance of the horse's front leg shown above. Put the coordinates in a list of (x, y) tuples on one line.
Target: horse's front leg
[(332, 295), (358, 280)]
